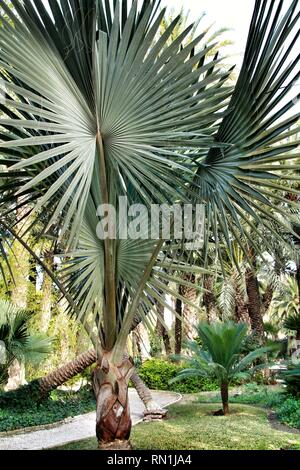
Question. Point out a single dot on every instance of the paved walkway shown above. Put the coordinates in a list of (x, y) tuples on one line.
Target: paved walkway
[(76, 429)]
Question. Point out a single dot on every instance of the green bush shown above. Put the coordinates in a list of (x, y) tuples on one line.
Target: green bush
[(289, 412), (157, 373), (22, 398), (17, 412)]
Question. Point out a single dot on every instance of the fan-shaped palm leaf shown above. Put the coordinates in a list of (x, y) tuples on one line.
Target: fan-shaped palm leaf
[(238, 181)]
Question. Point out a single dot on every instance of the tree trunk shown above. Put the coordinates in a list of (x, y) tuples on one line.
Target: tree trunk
[(267, 298), (136, 344), (78, 365), (152, 409), (161, 330), (66, 372), (254, 305), (209, 300), (46, 304), (298, 279), (178, 327), (225, 399), (113, 422), (16, 376), (191, 295), (241, 307)]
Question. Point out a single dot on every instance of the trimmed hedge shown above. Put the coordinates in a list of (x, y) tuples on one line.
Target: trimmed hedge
[(156, 373)]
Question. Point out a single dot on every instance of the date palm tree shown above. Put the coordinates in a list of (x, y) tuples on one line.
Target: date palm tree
[(97, 107)]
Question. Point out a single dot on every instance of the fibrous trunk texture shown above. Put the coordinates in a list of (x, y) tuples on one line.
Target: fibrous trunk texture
[(189, 317), (267, 298), (152, 410), (113, 422), (66, 372), (254, 303), (79, 364), (209, 300), (178, 326), (241, 307), (225, 398), (298, 277)]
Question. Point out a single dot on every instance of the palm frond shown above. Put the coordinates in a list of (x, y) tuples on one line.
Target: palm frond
[(242, 182)]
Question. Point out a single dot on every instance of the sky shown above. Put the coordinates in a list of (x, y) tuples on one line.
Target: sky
[(232, 14)]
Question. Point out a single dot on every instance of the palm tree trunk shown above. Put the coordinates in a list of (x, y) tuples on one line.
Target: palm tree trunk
[(191, 295), (241, 308), (66, 372), (152, 409), (178, 326), (209, 300), (184, 311), (16, 376), (225, 397), (254, 305), (298, 279), (136, 344), (113, 422), (78, 365), (161, 330), (267, 298), (46, 304)]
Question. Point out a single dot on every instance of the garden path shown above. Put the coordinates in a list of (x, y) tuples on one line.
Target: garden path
[(78, 428)]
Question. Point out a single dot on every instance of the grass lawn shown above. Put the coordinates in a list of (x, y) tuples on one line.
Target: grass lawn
[(191, 426)]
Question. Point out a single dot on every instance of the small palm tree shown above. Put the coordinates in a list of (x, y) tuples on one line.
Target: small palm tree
[(17, 343), (292, 322), (220, 356)]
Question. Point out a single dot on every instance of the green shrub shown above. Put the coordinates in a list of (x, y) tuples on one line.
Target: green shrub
[(289, 412), (156, 373), (22, 398), (17, 412)]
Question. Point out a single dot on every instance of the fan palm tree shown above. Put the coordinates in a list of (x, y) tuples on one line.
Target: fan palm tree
[(17, 342), (97, 107), (220, 356)]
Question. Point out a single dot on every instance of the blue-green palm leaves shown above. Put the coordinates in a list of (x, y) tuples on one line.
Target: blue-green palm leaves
[(142, 99), (97, 106), (247, 179), (127, 126)]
